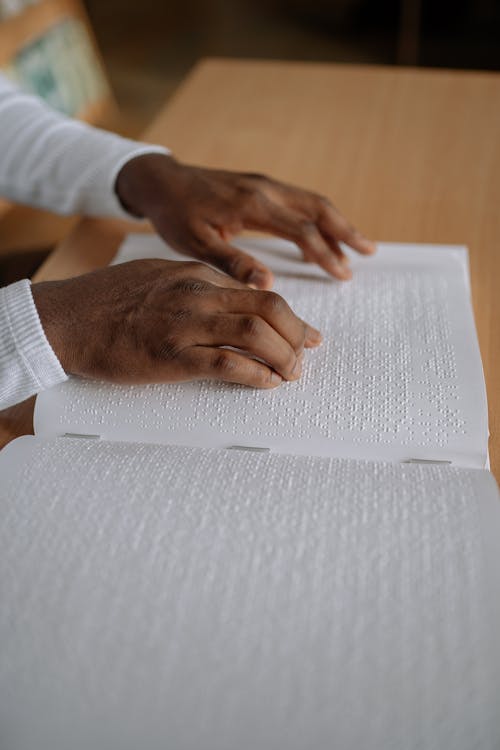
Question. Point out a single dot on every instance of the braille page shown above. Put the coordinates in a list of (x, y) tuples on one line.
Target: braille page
[(157, 596), (398, 375)]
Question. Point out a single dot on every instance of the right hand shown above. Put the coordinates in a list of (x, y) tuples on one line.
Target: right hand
[(151, 321)]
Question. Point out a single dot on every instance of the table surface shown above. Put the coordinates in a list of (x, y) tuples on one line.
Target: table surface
[(408, 155)]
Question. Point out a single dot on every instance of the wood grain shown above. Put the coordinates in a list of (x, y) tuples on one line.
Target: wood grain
[(408, 155)]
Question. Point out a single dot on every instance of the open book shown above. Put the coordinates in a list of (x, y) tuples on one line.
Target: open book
[(207, 566)]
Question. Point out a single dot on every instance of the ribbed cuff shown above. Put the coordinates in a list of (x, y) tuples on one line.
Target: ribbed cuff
[(28, 363), (101, 157)]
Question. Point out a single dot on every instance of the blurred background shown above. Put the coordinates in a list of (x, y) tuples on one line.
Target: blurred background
[(149, 46), (115, 63)]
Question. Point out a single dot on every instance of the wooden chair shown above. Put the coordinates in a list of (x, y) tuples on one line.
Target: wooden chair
[(48, 48)]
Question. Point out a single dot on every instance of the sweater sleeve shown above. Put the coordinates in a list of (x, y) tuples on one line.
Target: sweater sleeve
[(28, 363), (49, 161)]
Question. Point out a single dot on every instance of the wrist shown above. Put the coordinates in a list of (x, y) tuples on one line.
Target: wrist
[(142, 185), (55, 318), (33, 364)]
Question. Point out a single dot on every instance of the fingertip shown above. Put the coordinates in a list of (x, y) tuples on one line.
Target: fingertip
[(270, 283), (313, 337), (260, 278), (339, 270), (275, 379), (365, 245)]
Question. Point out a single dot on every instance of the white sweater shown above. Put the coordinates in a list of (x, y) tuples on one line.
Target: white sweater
[(52, 162)]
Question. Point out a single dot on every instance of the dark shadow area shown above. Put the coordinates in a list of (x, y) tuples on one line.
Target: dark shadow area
[(149, 46), (21, 265)]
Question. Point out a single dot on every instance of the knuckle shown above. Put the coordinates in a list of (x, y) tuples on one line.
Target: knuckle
[(307, 230), (192, 286), (261, 376), (256, 176), (181, 315), (257, 185), (225, 299), (251, 326), (169, 348), (223, 364), (245, 189), (274, 304), (211, 323), (250, 198), (252, 189), (323, 201)]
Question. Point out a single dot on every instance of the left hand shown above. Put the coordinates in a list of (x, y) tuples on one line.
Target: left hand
[(197, 211)]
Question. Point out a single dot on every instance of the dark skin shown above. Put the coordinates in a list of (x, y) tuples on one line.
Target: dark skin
[(198, 211), (162, 321), (156, 320)]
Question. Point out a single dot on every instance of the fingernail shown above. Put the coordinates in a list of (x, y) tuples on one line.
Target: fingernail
[(276, 379), (257, 279), (368, 245), (334, 267), (297, 370), (313, 335), (341, 272)]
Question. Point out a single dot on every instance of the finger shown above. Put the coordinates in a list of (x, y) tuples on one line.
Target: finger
[(328, 255), (311, 207), (275, 311), (212, 276), (333, 225), (288, 224), (255, 336), (235, 263), (232, 367)]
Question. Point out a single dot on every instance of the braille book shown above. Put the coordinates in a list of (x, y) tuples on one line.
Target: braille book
[(204, 565)]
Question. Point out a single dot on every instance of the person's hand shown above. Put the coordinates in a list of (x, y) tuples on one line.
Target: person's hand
[(159, 321), (197, 211)]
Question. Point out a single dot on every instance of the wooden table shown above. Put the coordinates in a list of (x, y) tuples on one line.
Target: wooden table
[(408, 155)]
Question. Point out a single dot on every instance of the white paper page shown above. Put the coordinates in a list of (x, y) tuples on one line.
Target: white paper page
[(398, 376), (157, 596)]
